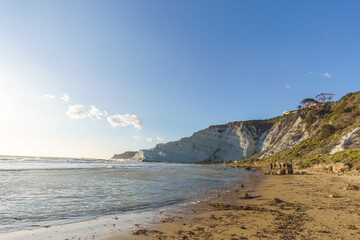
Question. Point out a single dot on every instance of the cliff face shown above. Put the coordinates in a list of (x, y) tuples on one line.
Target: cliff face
[(214, 144), (283, 134), (301, 133), (125, 155), (233, 141)]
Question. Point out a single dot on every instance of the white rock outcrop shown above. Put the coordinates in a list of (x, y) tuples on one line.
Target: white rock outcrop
[(208, 145), (350, 139), (227, 143), (283, 135), (239, 140)]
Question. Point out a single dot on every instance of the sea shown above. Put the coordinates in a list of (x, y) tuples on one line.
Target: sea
[(40, 191)]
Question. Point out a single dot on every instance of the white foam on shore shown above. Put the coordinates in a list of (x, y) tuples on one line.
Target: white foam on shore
[(100, 228)]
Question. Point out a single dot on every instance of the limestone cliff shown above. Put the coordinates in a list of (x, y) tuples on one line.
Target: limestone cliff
[(214, 144), (298, 134)]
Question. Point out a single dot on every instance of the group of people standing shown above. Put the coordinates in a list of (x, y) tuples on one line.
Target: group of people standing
[(281, 168)]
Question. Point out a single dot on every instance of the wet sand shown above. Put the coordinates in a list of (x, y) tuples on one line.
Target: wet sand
[(311, 206)]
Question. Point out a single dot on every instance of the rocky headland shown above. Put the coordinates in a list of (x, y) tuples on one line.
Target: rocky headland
[(327, 133)]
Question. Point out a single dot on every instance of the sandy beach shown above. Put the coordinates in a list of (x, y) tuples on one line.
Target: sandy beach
[(309, 206)]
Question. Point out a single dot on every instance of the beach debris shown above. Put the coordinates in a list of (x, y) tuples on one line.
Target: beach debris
[(142, 231), (247, 168), (352, 227), (224, 206), (247, 196), (155, 231), (277, 200), (244, 195), (351, 187), (333, 196), (213, 216), (281, 172), (170, 219)]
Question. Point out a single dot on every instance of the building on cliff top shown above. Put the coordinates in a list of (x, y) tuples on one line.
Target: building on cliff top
[(313, 104)]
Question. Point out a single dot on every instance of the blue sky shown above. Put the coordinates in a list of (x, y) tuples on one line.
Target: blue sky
[(160, 70)]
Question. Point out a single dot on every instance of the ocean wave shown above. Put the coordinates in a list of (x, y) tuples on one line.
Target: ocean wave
[(54, 169), (69, 189)]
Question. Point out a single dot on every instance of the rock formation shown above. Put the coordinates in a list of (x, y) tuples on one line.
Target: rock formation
[(298, 134), (125, 155), (232, 141), (214, 144)]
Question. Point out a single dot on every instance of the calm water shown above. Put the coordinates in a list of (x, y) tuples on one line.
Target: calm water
[(44, 191)]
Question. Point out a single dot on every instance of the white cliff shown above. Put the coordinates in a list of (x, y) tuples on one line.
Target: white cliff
[(264, 138), (283, 135), (208, 145), (233, 141)]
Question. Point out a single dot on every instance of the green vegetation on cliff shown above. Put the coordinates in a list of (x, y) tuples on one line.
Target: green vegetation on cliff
[(326, 124)]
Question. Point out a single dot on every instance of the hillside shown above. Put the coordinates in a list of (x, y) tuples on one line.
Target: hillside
[(321, 133), (332, 134)]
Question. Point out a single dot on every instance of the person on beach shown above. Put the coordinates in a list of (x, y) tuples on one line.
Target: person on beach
[(290, 169)]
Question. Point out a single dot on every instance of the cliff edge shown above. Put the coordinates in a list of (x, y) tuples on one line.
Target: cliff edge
[(319, 130)]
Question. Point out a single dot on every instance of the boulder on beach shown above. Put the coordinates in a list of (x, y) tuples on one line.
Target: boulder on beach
[(340, 167)]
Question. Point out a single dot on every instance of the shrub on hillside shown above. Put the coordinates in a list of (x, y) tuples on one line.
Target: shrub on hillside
[(327, 130)]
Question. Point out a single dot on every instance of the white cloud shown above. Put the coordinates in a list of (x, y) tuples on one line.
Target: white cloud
[(288, 86), (95, 113), (76, 111), (137, 137), (318, 75), (124, 120), (328, 75), (310, 74), (157, 139), (49, 96), (65, 98)]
